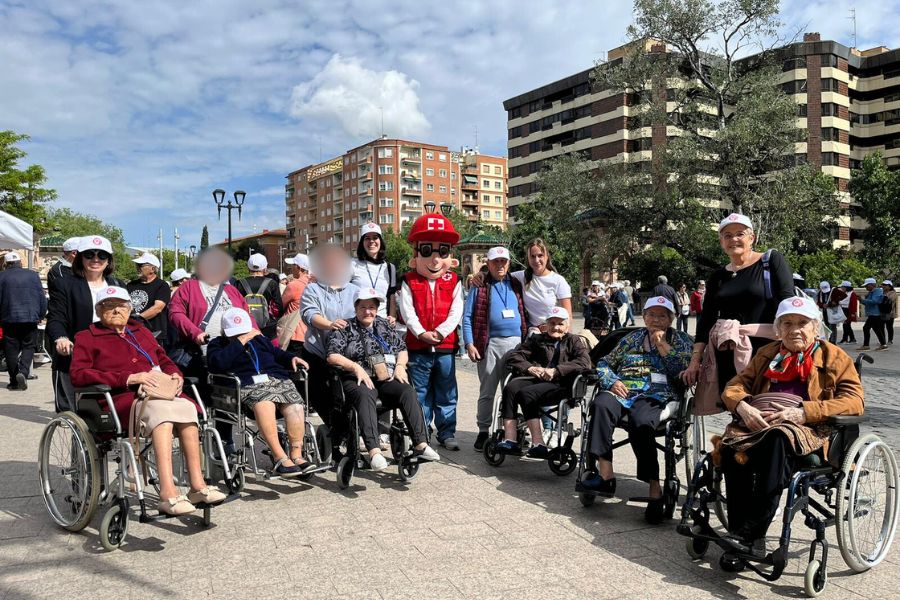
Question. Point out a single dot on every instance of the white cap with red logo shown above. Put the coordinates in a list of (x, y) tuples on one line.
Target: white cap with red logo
[(112, 293), (735, 219), (369, 228), (236, 321), (557, 312), (498, 252), (12, 257), (94, 242), (797, 305), (300, 260), (660, 301), (367, 294)]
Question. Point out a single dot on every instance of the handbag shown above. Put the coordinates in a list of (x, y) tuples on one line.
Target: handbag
[(184, 352), (835, 315), (286, 327)]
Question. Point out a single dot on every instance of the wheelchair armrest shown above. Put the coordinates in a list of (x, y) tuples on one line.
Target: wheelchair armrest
[(843, 420), (223, 380), (93, 389), (192, 380), (300, 374)]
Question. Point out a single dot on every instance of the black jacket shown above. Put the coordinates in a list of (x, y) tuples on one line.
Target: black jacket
[(538, 350), (667, 291), (22, 298), (71, 310), (57, 271)]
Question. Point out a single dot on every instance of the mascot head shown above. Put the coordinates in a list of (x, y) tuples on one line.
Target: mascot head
[(432, 237)]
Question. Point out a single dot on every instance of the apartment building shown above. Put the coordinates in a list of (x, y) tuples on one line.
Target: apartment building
[(848, 104), (389, 182)]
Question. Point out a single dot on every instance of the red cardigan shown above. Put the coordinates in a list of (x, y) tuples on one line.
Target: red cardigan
[(101, 356), (188, 307)]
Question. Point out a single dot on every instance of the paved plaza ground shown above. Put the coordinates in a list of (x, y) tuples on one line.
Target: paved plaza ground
[(461, 529)]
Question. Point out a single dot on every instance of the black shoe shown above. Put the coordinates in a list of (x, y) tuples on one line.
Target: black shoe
[(22, 381), (598, 485), (539, 452), (12, 386), (655, 512), (480, 440)]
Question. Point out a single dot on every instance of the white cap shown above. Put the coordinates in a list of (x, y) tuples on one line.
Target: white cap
[(615, 285), (147, 259), (94, 242), (660, 301), (257, 262), (367, 294), (498, 252), (12, 257), (301, 260), (869, 280), (111, 292), (179, 274), (557, 312), (825, 286), (798, 306), (846, 283), (797, 276), (236, 321), (369, 228), (281, 276), (71, 244), (887, 282), (735, 219), (595, 282)]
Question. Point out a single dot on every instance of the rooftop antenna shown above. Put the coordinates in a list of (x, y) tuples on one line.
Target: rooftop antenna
[(852, 17)]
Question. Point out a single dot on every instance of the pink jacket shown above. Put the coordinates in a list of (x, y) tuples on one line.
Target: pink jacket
[(188, 307)]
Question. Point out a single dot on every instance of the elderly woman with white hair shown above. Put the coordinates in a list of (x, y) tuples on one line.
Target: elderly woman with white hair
[(637, 377), (780, 403)]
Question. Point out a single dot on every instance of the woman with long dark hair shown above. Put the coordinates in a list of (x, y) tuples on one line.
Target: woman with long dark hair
[(372, 270)]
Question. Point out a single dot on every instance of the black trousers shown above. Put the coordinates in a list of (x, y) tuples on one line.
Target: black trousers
[(889, 330), (18, 346), (847, 335), (607, 411), (393, 394), (754, 489), (875, 324), (197, 368), (531, 394), (683, 323)]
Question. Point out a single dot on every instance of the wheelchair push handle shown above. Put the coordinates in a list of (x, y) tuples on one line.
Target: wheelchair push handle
[(860, 358)]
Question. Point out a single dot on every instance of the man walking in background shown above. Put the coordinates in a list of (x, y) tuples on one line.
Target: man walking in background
[(22, 305)]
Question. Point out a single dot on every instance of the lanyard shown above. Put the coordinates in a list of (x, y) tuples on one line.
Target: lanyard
[(377, 275), (255, 358), (137, 346), (384, 345), (504, 297)]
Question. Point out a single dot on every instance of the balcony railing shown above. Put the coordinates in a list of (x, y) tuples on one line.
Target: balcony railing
[(415, 191)]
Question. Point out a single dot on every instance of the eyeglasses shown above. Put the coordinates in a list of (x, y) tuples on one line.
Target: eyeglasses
[(735, 236), (109, 306), (426, 250), (92, 254)]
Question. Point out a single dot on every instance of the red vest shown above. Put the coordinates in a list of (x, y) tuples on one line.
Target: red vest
[(432, 309)]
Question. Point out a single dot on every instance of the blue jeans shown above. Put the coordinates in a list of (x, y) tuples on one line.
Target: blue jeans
[(630, 317), (434, 377)]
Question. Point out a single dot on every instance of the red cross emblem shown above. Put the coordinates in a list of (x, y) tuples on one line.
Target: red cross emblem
[(661, 301), (435, 224), (237, 320), (733, 218)]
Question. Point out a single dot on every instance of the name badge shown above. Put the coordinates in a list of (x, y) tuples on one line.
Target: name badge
[(659, 378), (508, 313), (156, 368), (390, 360), (263, 378)]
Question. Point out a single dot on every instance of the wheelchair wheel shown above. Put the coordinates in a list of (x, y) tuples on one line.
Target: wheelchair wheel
[(815, 578), (493, 456), (693, 443), (696, 548), (407, 471), (235, 485), (68, 471), (720, 504), (562, 461), (867, 504), (114, 526), (345, 471)]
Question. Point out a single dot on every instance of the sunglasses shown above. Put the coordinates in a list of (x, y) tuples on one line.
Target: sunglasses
[(426, 250), (92, 254)]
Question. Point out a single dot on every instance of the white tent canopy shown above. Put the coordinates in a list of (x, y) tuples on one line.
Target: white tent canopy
[(15, 233)]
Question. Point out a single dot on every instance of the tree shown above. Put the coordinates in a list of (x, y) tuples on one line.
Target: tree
[(69, 223), (204, 238), (834, 266), (877, 190), (539, 219), (22, 191)]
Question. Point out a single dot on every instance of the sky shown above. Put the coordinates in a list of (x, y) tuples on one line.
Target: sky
[(138, 110)]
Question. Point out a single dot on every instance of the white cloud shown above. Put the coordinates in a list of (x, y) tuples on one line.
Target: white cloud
[(347, 94)]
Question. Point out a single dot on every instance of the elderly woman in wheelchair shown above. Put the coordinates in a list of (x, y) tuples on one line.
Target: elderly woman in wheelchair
[(637, 381), (121, 353), (266, 387), (795, 425)]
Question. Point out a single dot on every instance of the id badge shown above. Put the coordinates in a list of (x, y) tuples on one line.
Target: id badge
[(390, 360), (508, 313), (263, 378), (659, 378), (156, 368)]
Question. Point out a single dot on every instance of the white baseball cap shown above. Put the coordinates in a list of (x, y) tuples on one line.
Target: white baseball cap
[(12, 257), (179, 274), (94, 242), (846, 283), (369, 228), (111, 292), (557, 312), (236, 321), (595, 282), (301, 260), (281, 276), (367, 294), (659, 301), (825, 286), (71, 244), (498, 252), (887, 282), (869, 280), (147, 259), (798, 306), (735, 219), (257, 262)]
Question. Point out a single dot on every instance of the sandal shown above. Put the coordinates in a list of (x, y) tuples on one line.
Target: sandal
[(176, 506), (284, 471)]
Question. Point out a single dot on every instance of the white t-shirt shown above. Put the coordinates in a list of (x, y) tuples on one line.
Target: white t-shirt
[(96, 287), (542, 294), (367, 275)]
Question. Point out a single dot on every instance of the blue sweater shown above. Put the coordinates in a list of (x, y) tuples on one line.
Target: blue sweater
[(22, 298), (872, 300), (224, 355), (497, 325)]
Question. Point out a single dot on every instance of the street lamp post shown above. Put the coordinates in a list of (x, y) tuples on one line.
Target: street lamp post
[(429, 206), (219, 197), (193, 254), (446, 209)]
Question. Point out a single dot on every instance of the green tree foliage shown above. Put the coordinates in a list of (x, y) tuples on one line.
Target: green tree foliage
[(834, 266), (240, 268), (204, 238), (69, 223), (22, 191), (877, 190), (539, 219)]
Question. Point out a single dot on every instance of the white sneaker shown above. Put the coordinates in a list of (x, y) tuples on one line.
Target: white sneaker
[(378, 462), (428, 454)]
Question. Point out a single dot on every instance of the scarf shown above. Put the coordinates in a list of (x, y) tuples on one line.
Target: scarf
[(790, 366)]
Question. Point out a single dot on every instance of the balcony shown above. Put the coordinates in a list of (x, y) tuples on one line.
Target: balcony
[(410, 176), (411, 190), (411, 207), (366, 216), (470, 201), (411, 157)]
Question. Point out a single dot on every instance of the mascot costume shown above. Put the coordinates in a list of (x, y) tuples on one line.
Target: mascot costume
[(431, 304)]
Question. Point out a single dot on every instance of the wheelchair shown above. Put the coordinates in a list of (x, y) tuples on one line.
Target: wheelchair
[(225, 406), (562, 459), (74, 458), (682, 435), (349, 456), (858, 483)]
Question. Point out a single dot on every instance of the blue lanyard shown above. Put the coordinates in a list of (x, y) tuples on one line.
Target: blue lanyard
[(255, 358), (377, 275), (384, 345), (137, 346), (504, 297)]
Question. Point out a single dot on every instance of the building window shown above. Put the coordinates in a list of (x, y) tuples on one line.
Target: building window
[(794, 87), (443, 189), (385, 202), (829, 109), (515, 132), (830, 85), (443, 172), (498, 170), (486, 183), (385, 169), (829, 60), (486, 199), (385, 152), (442, 157), (386, 219), (429, 187), (498, 214), (534, 147), (385, 186), (498, 185), (429, 172), (353, 190), (790, 64), (829, 159), (486, 169), (498, 199), (801, 110), (429, 155)]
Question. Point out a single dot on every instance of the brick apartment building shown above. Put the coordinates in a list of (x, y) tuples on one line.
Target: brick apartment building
[(848, 101), (389, 182)]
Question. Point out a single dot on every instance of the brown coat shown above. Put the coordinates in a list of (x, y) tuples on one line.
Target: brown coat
[(538, 350), (834, 386)]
